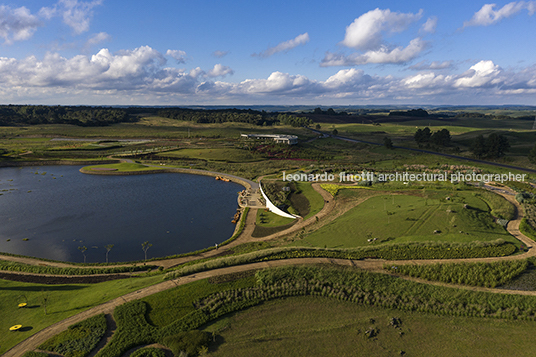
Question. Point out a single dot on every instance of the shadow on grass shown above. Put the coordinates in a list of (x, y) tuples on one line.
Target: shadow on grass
[(42, 288)]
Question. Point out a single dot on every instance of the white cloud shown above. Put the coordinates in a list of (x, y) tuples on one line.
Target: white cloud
[(17, 24), (481, 74), (488, 16), (383, 54), (426, 80), (76, 14), (277, 82), (284, 46), (220, 71), (366, 32), (430, 25), (220, 54), (142, 73), (97, 38), (423, 65), (179, 56)]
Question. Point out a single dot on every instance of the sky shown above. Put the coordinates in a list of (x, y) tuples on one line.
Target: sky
[(235, 52)]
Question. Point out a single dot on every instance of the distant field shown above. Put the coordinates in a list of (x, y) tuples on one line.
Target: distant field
[(215, 154), (405, 218), (313, 326)]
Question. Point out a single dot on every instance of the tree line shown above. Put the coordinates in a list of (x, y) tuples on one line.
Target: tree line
[(13, 115), (426, 136), (249, 116)]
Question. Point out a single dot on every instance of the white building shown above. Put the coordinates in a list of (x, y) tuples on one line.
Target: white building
[(278, 138)]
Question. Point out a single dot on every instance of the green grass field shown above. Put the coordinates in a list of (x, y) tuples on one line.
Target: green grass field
[(123, 167), (269, 219), (64, 300), (406, 217), (215, 154), (308, 326)]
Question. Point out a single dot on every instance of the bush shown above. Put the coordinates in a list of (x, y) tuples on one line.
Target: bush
[(474, 274), (188, 341), (35, 354), (403, 251), (79, 339), (149, 352), (132, 329)]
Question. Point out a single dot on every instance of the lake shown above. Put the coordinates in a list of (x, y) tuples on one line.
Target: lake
[(51, 211)]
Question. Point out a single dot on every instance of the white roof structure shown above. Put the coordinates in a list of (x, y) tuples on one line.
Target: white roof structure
[(278, 138)]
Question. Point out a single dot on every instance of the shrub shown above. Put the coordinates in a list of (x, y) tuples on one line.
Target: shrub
[(188, 341), (79, 339), (475, 274), (35, 354), (403, 251), (149, 352)]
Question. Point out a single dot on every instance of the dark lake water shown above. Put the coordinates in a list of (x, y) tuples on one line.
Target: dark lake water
[(58, 209)]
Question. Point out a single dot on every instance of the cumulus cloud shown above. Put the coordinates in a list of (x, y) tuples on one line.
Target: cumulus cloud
[(430, 25), (75, 14), (366, 35), (366, 32), (220, 54), (488, 16), (143, 73), (97, 38), (179, 56), (480, 74), (423, 65), (220, 70), (17, 24), (284, 46), (383, 54)]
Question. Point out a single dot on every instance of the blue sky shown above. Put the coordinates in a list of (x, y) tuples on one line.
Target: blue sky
[(106, 52)]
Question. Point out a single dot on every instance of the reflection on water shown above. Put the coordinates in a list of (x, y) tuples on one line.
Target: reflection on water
[(50, 211)]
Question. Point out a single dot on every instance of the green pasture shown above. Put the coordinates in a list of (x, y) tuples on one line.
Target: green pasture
[(63, 301), (315, 200), (123, 167), (150, 128), (215, 154), (410, 217), (309, 326), (266, 218), (173, 304)]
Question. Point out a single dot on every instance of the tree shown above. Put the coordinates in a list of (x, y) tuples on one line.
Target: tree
[(479, 146), (493, 147), (44, 299), (83, 250), (108, 248), (388, 143), (422, 135), (335, 132), (318, 127), (532, 155), (145, 246), (441, 137), (497, 145)]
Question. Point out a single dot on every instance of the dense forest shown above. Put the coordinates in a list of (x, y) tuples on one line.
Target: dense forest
[(13, 115), (40, 114), (233, 115)]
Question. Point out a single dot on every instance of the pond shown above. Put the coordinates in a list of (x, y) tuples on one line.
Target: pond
[(51, 211)]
